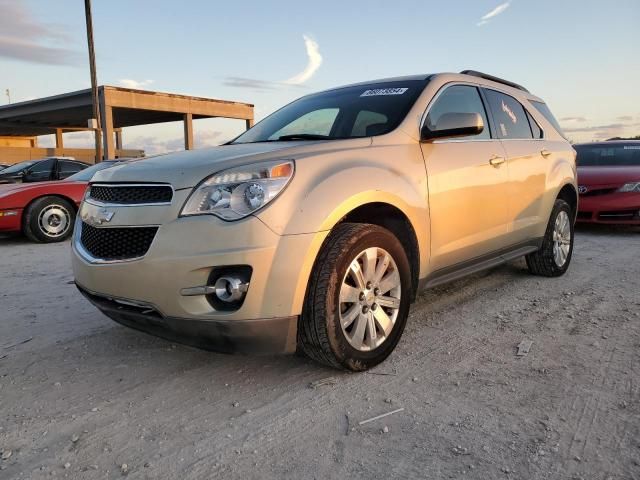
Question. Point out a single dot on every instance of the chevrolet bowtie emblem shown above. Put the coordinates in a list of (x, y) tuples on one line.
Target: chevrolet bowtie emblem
[(102, 216)]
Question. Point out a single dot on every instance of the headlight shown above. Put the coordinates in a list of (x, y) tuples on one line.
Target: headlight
[(235, 193), (630, 187)]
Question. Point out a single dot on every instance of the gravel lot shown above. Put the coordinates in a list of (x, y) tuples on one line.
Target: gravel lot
[(87, 398)]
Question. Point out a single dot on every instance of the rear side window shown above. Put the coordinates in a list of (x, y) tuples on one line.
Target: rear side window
[(459, 99), (509, 116), (41, 170), (535, 128), (67, 168), (546, 113)]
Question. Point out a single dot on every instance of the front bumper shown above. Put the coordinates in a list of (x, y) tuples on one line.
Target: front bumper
[(614, 208), (182, 255), (256, 337)]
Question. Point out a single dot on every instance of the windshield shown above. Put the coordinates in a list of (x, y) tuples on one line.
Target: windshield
[(87, 174), (18, 167), (350, 112), (618, 155)]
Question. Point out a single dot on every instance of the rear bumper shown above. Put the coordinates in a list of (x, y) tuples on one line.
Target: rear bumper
[(11, 220), (257, 336), (615, 208)]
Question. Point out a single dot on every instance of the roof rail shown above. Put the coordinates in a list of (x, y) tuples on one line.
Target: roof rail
[(486, 76)]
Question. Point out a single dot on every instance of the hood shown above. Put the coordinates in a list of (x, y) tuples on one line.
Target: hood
[(188, 168), (10, 188), (608, 175)]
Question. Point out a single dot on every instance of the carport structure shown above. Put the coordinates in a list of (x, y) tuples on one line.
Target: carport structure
[(119, 108)]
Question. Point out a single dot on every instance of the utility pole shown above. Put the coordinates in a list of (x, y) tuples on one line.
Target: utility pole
[(94, 82)]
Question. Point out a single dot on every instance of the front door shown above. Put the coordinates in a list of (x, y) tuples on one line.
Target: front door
[(468, 182)]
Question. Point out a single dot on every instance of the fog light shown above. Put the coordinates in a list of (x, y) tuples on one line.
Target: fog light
[(230, 289)]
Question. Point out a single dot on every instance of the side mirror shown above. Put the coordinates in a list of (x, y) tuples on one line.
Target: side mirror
[(454, 124)]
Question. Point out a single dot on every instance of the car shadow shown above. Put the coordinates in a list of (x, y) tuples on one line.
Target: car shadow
[(600, 229)]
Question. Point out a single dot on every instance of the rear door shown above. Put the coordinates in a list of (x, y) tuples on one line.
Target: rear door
[(66, 168), (467, 184), (527, 162)]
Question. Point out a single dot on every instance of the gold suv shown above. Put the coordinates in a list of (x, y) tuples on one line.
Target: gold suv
[(313, 230)]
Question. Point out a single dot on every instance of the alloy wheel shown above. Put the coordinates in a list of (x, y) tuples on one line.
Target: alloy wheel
[(561, 238), (54, 220), (370, 299)]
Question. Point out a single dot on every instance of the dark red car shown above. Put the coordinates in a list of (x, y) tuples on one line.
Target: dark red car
[(609, 182), (45, 211)]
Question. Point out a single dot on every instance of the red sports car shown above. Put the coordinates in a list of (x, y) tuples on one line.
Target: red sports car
[(45, 211), (609, 182)]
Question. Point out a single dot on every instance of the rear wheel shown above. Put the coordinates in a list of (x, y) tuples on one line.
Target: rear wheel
[(554, 257), (49, 219), (358, 298)]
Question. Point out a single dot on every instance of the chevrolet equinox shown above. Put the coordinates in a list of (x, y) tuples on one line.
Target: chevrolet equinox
[(314, 230)]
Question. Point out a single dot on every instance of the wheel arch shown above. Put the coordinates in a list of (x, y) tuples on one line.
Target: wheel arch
[(397, 222), (569, 194)]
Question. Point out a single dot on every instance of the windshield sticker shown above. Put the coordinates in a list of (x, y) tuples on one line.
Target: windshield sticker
[(383, 91), (503, 129), (507, 110)]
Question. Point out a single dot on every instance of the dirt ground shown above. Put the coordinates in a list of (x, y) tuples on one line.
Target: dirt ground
[(81, 396)]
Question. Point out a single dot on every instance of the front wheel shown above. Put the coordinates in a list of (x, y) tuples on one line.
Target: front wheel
[(358, 298), (553, 258), (49, 219)]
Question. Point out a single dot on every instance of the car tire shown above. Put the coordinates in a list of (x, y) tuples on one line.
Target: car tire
[(554, 257), (338, 294), (49, 219)]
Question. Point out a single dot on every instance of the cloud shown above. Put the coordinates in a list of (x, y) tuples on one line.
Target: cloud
[(493, 13), (128, 83), (24, 38), (152, 145), (625, 118), (241, 82), (573, 119), (313, 64)]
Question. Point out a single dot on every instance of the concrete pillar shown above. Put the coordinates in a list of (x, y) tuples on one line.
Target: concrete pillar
[(59, 142), (109, 147), (118, 139), (188, 131), (249, 123)]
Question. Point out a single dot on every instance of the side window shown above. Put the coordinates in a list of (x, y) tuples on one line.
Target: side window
[(508, 115), (67, 168), (459, 99), (316, 122), (40, 171), (366, 122), (535, 128)]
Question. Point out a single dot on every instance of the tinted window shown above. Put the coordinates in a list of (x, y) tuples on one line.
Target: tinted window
[(546, 113), (389, 99), (88, 173), (367, 122), (608, 155), (509, 116), (67, 168), (459, 99), (41, 170), (535, 128), (18, 167)]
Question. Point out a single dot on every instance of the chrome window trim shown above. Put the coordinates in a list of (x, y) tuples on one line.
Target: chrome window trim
[(98, 203)]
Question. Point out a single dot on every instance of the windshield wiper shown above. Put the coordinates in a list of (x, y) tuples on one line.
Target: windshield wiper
[(303, 136)]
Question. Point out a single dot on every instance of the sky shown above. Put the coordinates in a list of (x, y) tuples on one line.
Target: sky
[(580, 56)]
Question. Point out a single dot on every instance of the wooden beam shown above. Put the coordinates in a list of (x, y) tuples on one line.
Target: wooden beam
[(59, 142), (164, 102), (188, 131)]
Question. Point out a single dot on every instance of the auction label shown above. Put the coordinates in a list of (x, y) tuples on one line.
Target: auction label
[(383, 91)]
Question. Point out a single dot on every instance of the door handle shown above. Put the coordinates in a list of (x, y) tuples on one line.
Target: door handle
[(545, 153), (496, 160)]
